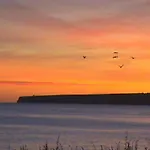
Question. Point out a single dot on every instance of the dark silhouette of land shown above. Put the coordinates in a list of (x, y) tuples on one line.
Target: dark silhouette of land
[(110, 99)]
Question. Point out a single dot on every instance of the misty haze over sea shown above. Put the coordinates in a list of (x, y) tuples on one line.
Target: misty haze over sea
[(34, 124)]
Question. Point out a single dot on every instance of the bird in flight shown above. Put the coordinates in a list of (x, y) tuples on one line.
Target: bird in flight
[(84, 57), (121, 65), (115, 52), (132, 57), (115, 57)]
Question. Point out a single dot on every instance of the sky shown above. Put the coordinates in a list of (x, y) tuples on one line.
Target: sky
[(42, 44)]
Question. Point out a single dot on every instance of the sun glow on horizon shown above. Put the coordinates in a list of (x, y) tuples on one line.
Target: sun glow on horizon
[(42, 45)]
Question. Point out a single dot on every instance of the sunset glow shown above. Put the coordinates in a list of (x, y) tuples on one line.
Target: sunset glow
[(42, 44)]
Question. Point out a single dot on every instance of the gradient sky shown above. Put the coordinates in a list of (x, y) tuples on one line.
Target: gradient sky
[(42, 43)]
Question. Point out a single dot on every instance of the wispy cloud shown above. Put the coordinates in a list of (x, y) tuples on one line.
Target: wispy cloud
[(30, 16), (16, 55), (28, 83), (79, 10)]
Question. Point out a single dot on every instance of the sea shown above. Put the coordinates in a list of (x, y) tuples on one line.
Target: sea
[(73, 126)]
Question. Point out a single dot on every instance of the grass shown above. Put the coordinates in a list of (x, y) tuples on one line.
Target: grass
[(126, 145)]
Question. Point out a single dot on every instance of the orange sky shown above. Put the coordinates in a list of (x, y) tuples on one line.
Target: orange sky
[(42, 44)]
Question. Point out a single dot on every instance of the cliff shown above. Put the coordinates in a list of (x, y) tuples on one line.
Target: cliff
[(114, 99)]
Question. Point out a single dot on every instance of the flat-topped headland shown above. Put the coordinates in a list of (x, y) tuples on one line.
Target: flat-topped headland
[(110, 99)]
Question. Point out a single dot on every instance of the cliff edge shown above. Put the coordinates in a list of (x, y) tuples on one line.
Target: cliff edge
[(114, 99)]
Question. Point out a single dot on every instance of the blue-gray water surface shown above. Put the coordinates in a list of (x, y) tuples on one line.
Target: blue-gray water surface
[(77, 125)]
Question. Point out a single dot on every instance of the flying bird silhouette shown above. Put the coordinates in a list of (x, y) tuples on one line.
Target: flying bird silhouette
[(121, 65), (115, 52), (132, 57), (115, 57)]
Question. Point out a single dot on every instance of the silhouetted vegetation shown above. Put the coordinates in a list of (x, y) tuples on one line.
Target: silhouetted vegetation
[(125, 145)]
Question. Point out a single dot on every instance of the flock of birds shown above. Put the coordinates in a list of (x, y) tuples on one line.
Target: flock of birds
[(115, 56)]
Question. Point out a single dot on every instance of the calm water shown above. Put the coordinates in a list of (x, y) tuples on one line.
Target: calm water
[(82, 125)]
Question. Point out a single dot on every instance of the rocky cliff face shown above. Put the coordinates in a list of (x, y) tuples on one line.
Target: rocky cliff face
[(114, 99)]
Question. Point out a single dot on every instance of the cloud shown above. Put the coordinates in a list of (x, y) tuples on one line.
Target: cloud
[(17, 55), (84, 9), (25, 28), (119, 17), (28, 83), (108, 12), (115, 20), (31, 17)]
